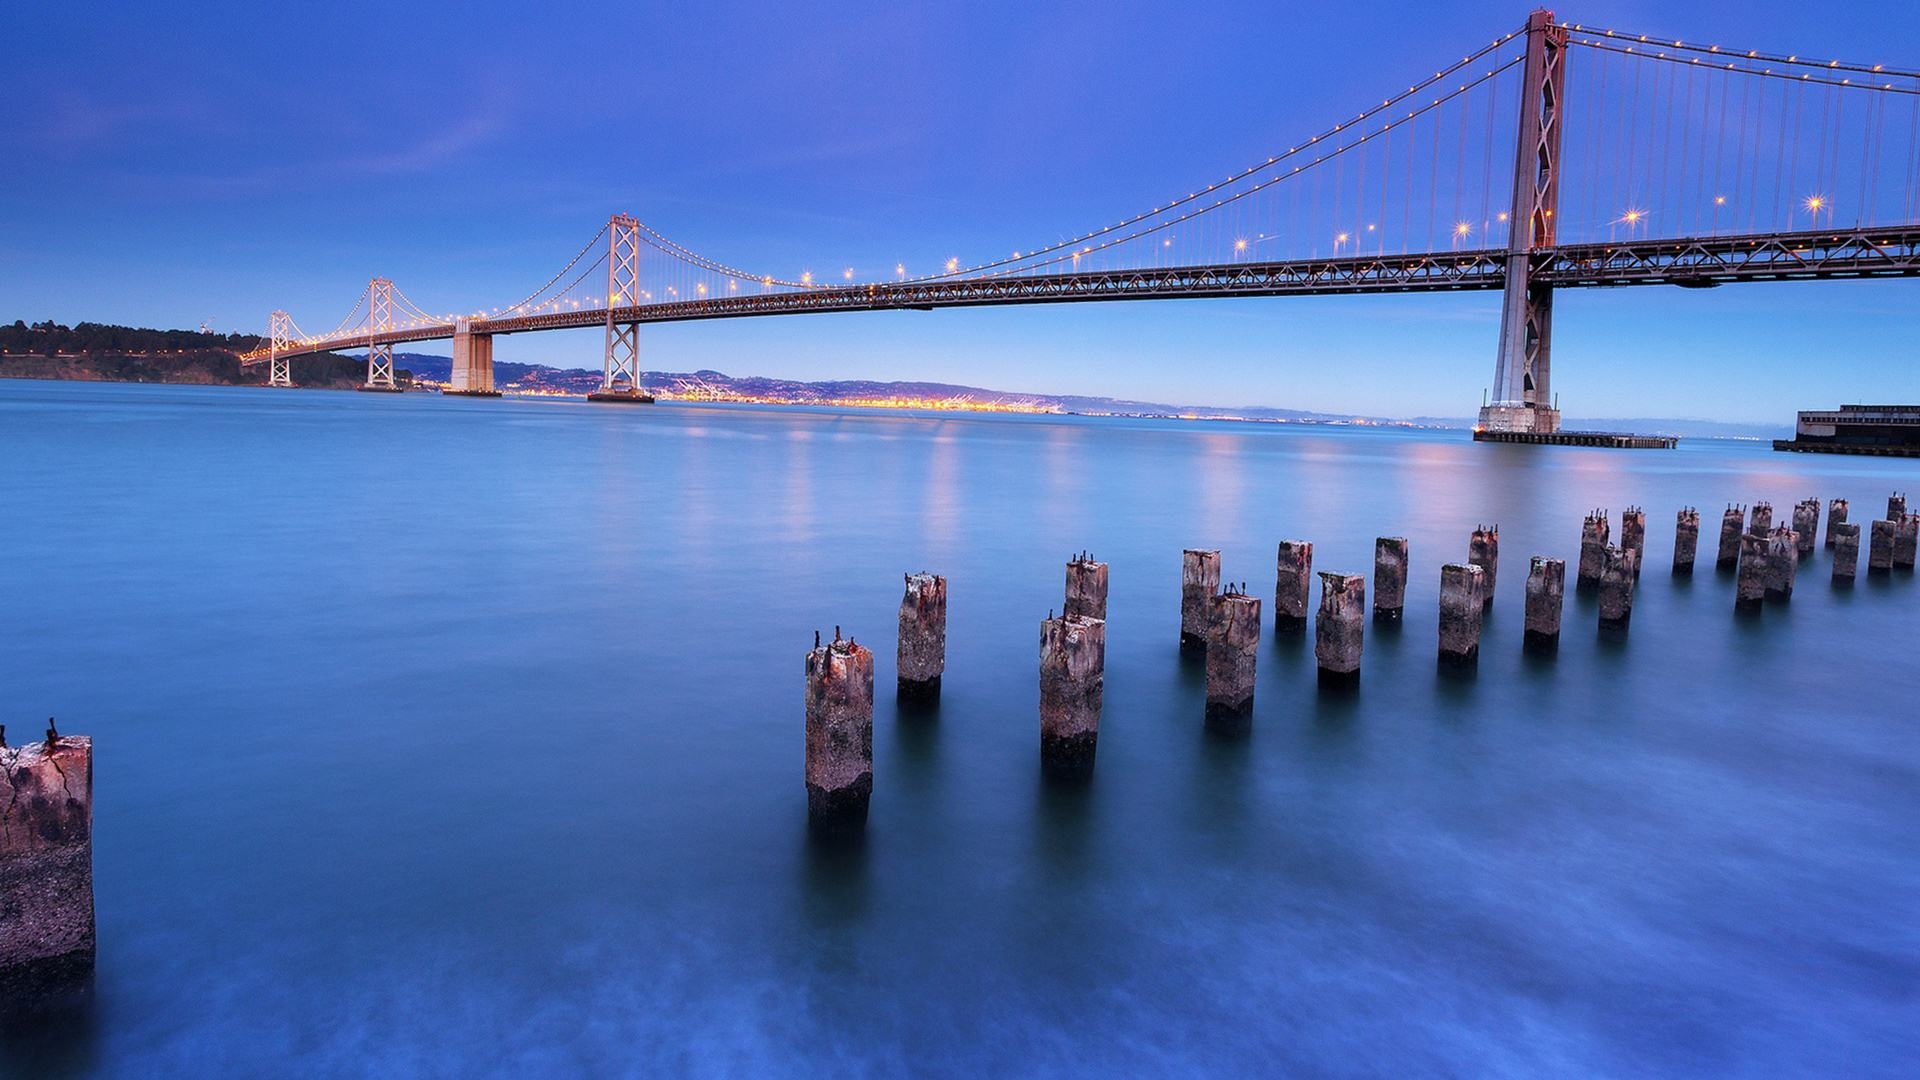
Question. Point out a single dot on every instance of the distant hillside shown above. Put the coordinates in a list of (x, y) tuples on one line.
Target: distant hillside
[(100, 352)]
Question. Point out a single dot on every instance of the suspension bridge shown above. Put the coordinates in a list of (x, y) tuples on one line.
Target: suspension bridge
[(1555, 156)]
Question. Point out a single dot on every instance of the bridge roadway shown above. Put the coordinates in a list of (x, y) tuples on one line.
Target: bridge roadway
[(1698, 262)]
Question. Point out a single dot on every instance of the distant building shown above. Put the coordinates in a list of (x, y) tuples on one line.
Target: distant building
[(1886, 430)]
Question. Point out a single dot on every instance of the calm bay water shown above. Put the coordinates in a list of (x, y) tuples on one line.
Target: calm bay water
[(446, 737)]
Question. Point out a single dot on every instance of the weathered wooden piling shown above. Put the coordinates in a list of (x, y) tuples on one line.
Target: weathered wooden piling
[(839, 733), (1906, 541), (1483, 551), (46, 868), (1732, 524), (1073, 663), (1340, 628), (1594, 534), (1783, 563), (1760, 522), (1896, 505), (1845, 539), (1806, 523), (1686, 540), (1622, 569), (1633, 534), (1199, 581), (1750, 585), (1462, 609), (1546, 589), (1389, 578), (1837, 515), (1880, 547), (922, 655), (1086, 587), (1292, 586), (1233, 643)]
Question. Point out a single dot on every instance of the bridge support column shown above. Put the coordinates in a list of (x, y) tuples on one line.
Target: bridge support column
[(1522, 394), (621, 381), (279, 338), (472, 374), (379, 319)]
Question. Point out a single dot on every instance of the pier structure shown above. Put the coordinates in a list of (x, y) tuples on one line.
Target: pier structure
[(1233, 646), (1389, 578), (1837, 515), (1292, 586), (1686, 540), (46, 869), (1617, 577), (1896, 506), (1199, 582), (1880, 547), (1783, 563), (1750, 581), (1732, 524), (1086, 587), (1462, 610), (1595, 532), (1546, 592), (1483, 551), (1906, 541), (1806, 524), (1340, 628), (1760, 521), (1633, 534), (1845, 538), (1073, 663), (922, 653), (839, 734)]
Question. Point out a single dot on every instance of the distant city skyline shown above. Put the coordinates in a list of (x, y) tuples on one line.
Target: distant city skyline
[(247, 160)]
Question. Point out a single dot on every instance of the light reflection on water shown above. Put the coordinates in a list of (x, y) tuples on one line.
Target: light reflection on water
[(464, 736)]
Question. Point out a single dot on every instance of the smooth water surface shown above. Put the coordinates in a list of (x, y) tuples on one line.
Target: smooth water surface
[(438, 736)]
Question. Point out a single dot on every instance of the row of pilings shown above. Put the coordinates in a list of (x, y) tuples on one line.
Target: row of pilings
[(1223, 624)]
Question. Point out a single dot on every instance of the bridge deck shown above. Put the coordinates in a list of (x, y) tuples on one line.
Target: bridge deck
[(1695, 262)]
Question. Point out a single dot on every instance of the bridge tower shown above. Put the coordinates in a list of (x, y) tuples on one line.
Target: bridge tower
[(1522, 394), (279, 339), (621, 380), (379, 320)]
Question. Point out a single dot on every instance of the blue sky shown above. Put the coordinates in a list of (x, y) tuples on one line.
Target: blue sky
[(170, 165)]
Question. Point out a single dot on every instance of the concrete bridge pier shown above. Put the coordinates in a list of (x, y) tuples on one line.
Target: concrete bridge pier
[(1837, 515), (1633, 534), (1462, 610), (1292, 586), (1199, 581), (922, 652), (1233, 645), (1732, 524), (1906, 541), (1594, 534), (1806, 523), (1783, 563), (839, 734), (1086, 587), (1340, 628), (1546, 591), (1845, 539), (472, 374), (46, 868), (1896, 505), (1686, 541), (1389, 578), (1880, 547), (1750, 584), (1483, 551), (1760, 522), (1622, 569), (1073, 663)]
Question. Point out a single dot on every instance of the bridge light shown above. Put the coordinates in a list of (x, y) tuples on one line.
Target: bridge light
[(1815, 203), (1502, 217), (1719, 200), (849, 273), (1239, 245), (806, 277), (1462, 228), (952, 265)]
